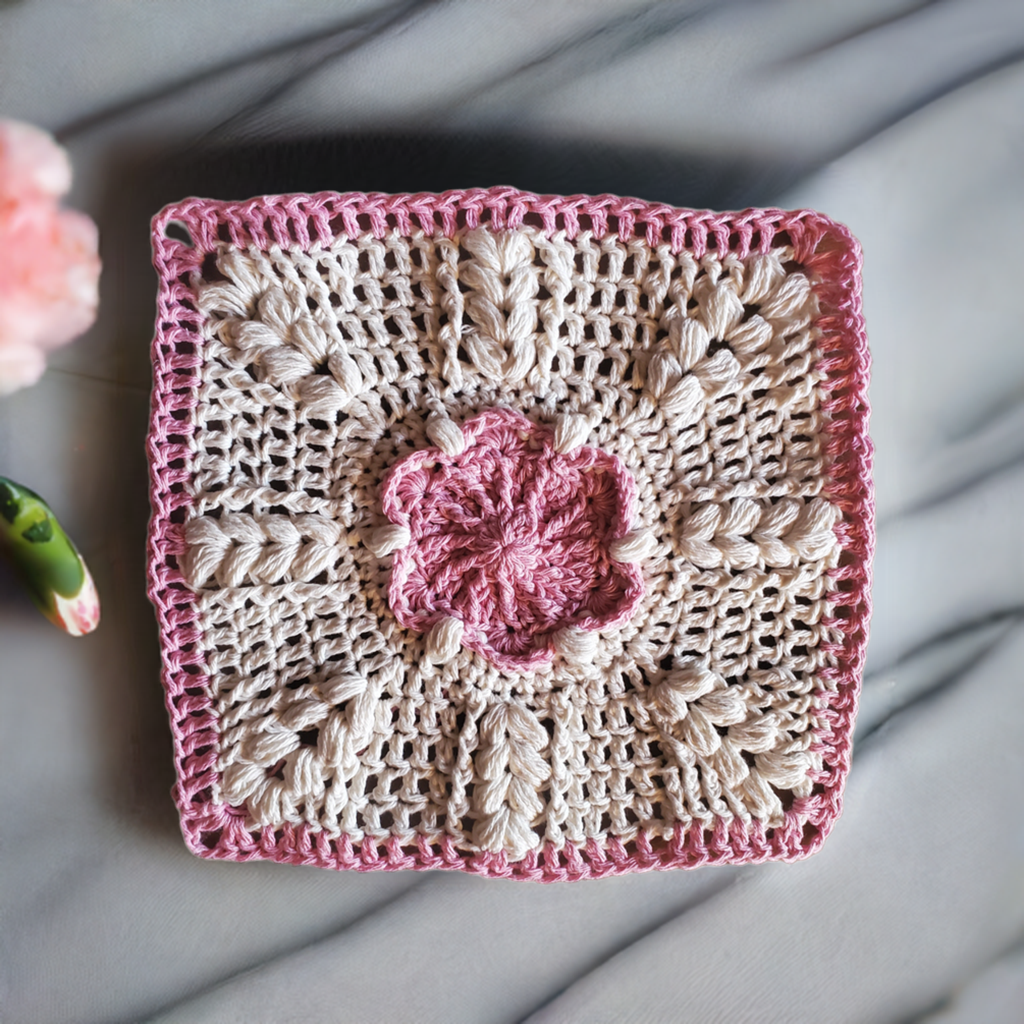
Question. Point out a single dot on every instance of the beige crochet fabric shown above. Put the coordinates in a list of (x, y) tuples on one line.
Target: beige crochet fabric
[(321, 369)]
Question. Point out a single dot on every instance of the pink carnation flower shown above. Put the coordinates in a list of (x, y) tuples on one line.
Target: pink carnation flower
[(49, 266)]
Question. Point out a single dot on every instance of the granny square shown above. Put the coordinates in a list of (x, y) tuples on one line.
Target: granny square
[(523, 535)]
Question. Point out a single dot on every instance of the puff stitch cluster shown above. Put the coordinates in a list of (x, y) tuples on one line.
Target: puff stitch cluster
[(524, 535)]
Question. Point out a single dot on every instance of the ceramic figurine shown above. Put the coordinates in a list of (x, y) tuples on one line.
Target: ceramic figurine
[(46, 560)]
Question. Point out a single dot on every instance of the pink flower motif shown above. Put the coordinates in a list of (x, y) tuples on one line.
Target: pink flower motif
[(511, 537), (49, 267)]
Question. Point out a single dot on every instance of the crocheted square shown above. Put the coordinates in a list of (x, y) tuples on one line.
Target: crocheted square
[(524, 535)]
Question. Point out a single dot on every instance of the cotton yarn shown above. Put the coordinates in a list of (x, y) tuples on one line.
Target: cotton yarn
[(519, 534)]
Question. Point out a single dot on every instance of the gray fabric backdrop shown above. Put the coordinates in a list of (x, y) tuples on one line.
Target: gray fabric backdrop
[(903, 119)]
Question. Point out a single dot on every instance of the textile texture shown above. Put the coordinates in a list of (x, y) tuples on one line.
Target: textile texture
[(525, 535)]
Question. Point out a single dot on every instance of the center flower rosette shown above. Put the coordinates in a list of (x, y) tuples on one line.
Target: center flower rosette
[(508, 540)]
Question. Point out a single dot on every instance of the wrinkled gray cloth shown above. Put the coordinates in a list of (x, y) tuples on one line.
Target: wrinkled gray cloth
[(903, 119)]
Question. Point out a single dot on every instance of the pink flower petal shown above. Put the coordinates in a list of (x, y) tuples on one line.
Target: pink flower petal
[(49, 264), (32, 165), (20, 365)]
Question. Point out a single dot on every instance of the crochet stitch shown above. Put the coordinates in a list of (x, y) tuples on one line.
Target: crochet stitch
[(527, 535), (510, 537)]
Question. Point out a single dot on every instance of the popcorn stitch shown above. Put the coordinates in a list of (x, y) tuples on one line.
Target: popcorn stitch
[(720, 358)]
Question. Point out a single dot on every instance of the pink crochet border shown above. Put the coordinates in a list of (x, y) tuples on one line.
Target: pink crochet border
[(825, 247)]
